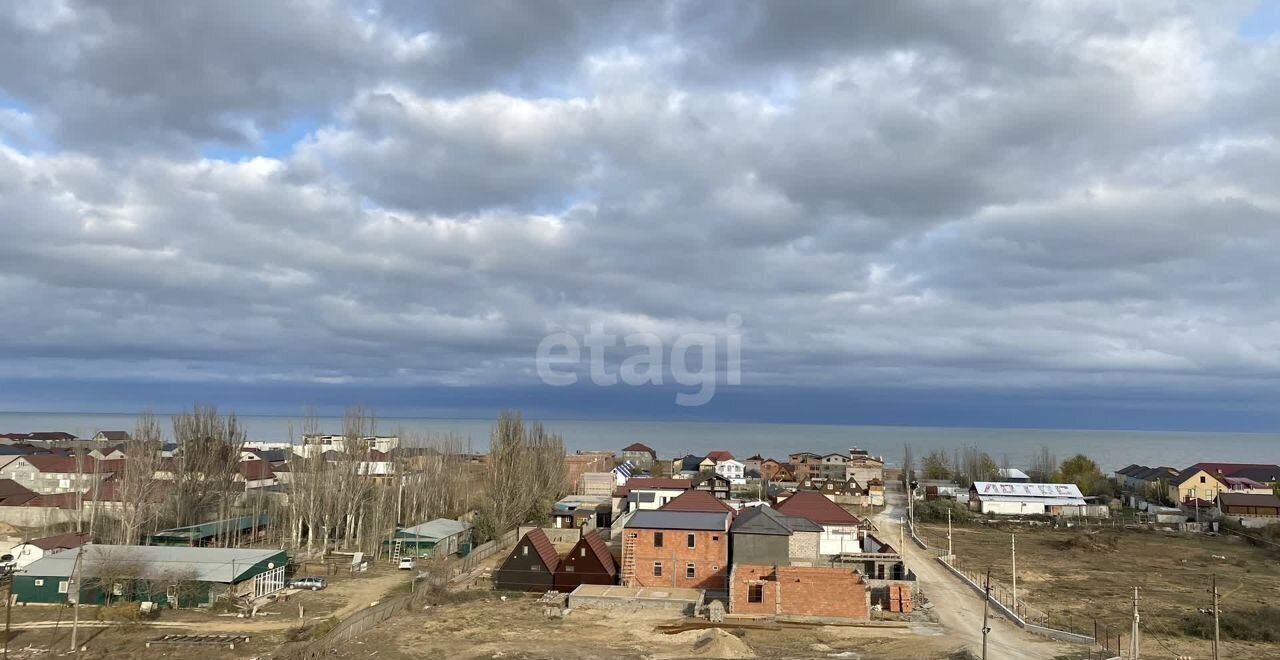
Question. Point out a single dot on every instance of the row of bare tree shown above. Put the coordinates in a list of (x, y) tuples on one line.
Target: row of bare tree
[(352, 499)]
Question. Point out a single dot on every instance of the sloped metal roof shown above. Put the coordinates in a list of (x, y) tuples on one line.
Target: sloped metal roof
[(437, 529), (224, 565)]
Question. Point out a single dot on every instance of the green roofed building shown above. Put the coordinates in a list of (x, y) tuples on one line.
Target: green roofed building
[(242, 528), (440, 535), (178, 577)]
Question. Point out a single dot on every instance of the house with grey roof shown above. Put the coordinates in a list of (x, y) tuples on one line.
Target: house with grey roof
[(180, 577), (762, 535)]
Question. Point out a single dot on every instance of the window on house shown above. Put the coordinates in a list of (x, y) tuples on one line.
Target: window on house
[(657, 569), (657, 539), (582, 552), (690, 571), (524, 551), (535, 568), (689, 540), (755, 593), (715, 538), (633, 535), (1202, 478), (39, 582), (63, 587), (568, 569)]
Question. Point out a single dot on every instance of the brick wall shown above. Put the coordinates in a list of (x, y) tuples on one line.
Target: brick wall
[(825, 592), (710, 557), (741, 580), (799, 591)]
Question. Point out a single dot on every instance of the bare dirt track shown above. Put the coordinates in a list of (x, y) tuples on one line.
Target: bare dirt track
[(959, 608)]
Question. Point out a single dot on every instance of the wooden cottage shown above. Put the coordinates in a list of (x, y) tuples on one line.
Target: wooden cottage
[(531, 566), (589, 562)]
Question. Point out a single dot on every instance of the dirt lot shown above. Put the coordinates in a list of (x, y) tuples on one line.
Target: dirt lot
[(481, 625), (1078, 576), (42, 627)]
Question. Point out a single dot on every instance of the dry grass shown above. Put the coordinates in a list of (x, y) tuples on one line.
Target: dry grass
[(1085, 575)]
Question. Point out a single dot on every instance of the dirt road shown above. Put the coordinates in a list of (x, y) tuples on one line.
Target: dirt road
[(958, 607)]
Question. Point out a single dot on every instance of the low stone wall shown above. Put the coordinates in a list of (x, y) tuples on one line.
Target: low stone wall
[(556, 534), (616, 604), (37, 516)]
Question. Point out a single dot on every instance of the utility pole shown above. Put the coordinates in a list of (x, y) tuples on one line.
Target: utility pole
[(1013, 557), (986, 605), (949, 553), (74, 587), (1135, 646), (1215, 617)]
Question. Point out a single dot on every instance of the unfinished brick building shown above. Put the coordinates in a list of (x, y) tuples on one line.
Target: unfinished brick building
[(798, 591)]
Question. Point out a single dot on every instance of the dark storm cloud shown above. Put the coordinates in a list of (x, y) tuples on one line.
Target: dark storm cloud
[(906, 194)]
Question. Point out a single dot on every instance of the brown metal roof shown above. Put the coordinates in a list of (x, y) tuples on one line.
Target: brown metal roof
[(697, 500), (817, 508), (601, 550), (545, 548)]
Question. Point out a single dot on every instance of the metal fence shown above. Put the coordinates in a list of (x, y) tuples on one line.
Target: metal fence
[(364, 620)]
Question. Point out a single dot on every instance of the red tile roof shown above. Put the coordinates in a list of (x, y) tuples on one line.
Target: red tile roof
[(641, 483), (697, 500), (813, 506), (545, 548), (719, 455), (636, 446), (256, 470)]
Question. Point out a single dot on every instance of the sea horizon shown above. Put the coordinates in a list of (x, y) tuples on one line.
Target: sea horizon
[(1110, 448)]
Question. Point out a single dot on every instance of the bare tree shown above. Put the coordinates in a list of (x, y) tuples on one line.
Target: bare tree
[(207, 462), (1044, 465), (526, 474), (138, 508)]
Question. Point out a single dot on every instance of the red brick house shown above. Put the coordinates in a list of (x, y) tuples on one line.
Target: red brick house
[(589, 562), (798, 591), (683, 549)]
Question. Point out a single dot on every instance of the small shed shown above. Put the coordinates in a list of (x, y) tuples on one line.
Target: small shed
[(183, 577), (531, 566), (1249, 504), (442, 534), (589, 562), (37, 549)]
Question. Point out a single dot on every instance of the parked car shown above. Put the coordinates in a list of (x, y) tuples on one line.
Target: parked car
[(312, 583), (406, 563)]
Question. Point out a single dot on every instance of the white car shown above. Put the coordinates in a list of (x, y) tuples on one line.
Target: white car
[(406, 563)]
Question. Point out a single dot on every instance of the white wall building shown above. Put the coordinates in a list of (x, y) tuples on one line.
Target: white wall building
[(732, 470), (1014, 499), (323, 443)]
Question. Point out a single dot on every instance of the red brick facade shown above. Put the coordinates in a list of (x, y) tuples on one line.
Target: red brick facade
[(798, 591), (708, 559)]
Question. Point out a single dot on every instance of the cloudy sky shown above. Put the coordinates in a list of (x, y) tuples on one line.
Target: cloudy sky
[(1065, 213)]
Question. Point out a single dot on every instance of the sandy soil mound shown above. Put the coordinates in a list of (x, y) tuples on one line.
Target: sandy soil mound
[(1092, 542), (713, 643)]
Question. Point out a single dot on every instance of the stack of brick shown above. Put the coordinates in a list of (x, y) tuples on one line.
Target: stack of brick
[(900, 598)]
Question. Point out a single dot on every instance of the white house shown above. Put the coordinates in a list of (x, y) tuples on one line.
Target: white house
[(732, 470), (323, 443), (841, 530), (647, 494), (25, 553), (1012, 499)]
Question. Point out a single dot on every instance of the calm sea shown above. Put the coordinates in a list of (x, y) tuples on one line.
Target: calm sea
[(1111, 449)]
